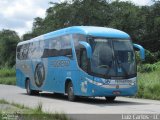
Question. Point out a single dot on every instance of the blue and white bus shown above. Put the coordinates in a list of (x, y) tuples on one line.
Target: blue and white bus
[(79, 61)]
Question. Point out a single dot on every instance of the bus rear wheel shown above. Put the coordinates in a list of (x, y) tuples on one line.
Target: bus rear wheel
[(29, 90), (70, 92), (110, 99)]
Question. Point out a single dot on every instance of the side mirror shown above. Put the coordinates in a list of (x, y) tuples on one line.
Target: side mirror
[(88, 48), (141, 49)]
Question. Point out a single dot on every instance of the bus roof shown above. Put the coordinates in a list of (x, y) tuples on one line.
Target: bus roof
[(87, 30)]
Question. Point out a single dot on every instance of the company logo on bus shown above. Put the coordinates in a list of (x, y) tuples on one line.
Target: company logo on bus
[(39, 74)]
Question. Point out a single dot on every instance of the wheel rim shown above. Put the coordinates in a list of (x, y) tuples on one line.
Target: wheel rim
[(28, 87), (70, 92)]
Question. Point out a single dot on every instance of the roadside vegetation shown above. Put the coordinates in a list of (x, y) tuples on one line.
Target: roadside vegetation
[(7, 76), (20, 112), (149, 81)]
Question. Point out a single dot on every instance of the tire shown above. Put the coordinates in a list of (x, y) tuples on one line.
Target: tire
[(29, 90), (70, 92), (57, 94), (110, 99)]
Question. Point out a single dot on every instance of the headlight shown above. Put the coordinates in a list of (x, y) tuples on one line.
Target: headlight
[(98, 81)]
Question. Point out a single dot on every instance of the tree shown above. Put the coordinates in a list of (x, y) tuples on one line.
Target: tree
[(8, 43), (151, 36), (141, 23)]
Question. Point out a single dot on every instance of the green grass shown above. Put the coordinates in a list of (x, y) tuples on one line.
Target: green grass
[(45, 116), (28, 113), (38, 109), (7, 72), (8, 80), (149, 85), (7, 76), (149, 81), (2, 101)]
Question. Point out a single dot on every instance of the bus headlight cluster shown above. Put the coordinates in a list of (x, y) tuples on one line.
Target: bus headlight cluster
[(132, 83), (98, 81)]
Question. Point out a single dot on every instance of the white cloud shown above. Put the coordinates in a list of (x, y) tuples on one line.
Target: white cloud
[(18, 15), (140, 2)]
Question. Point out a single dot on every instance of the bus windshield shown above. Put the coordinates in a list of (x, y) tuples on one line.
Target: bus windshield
[(112, 57)]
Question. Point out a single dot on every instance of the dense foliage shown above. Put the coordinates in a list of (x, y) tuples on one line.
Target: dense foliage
[(141, 22), (8, 43)]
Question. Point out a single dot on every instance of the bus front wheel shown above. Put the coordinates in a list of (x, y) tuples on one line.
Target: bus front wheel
[(110, 99), (70, 92), (29, 90)]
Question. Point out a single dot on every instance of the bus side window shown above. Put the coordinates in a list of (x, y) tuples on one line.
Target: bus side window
[(30, 52), (66, 48), (41, 46), (25, 51), (18, 52), (53, 48)]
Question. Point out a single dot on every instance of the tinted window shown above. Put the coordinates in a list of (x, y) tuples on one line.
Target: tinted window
[(59, 46), (78, 47), (18, 51), (36, 49), (66, 48), (22, 51), (77, 38)]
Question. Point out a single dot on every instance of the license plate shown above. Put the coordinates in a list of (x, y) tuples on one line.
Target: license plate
[(122, 81)]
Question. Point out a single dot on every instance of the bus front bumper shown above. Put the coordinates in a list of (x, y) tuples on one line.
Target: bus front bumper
[(114, 89), (104, 91)]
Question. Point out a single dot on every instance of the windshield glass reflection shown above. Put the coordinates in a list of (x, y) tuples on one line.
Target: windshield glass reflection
[(112, 57)]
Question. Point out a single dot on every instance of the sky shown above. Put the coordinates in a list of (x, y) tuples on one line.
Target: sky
[(18, 15)]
